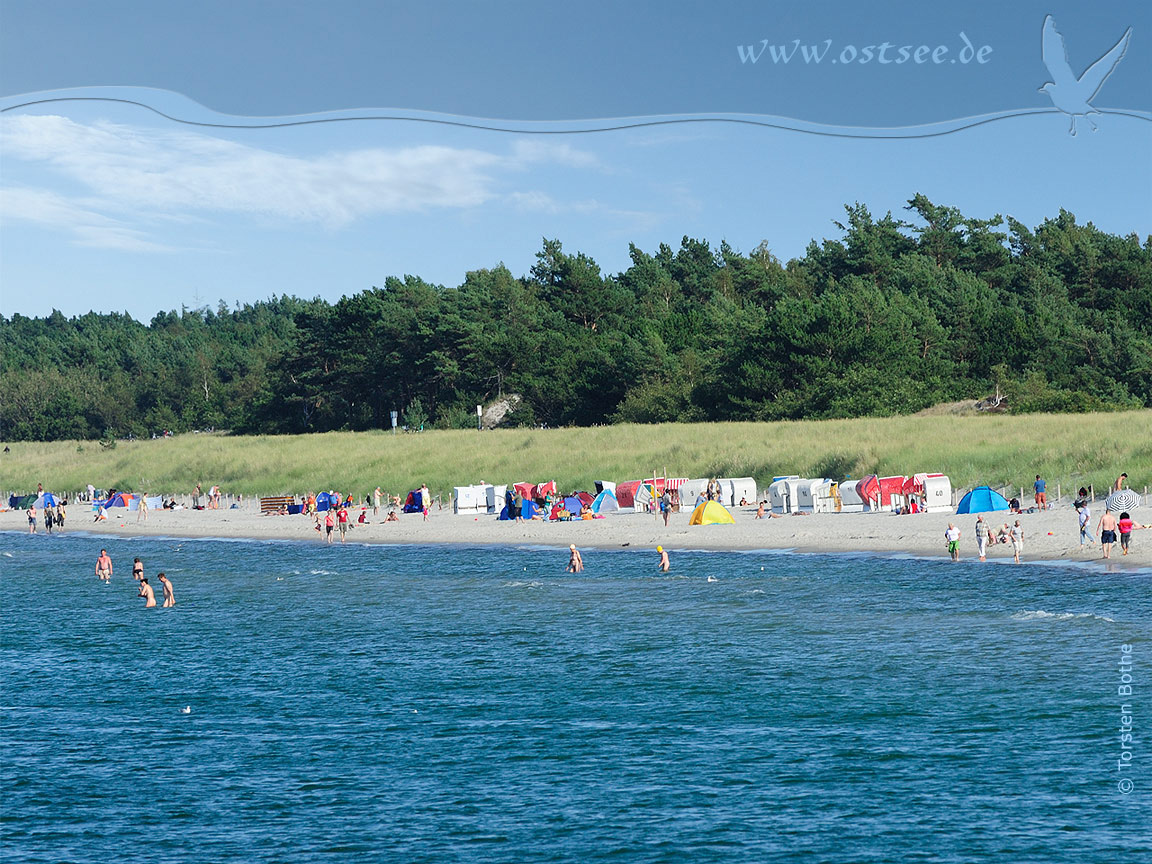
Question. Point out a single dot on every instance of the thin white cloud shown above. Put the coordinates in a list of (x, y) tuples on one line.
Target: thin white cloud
[(138, 176), (88, 227), (540, 202)]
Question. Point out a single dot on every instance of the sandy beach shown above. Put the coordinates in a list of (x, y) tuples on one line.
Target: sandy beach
[(1051, 535)]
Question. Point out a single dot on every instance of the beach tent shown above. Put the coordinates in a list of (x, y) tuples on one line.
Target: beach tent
[(525, 490), (711, 513), (155, 502), (21, 502), (530, 509), (982, 499), (605, 502), (601, 485), (120, 499), (1123, 500), (585, 497), (414, 503), (573, 504), (509, 510), (47, 499), (324, 501)]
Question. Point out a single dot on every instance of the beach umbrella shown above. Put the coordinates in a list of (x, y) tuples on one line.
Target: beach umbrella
[(1125, 499)]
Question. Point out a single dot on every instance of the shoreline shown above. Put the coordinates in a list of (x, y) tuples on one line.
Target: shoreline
[(1051, 537)]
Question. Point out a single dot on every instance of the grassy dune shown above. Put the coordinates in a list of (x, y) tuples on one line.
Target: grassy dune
[(999, 450)]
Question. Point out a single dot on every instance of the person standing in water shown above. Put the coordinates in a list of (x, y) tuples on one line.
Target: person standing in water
[(147, 593), (137, 569), (104, 566), (1126, 526), (169, 596), (1017, 535), (981, 537), (32, 519), (575, 562), (952, 535), (664, 564), (1106, 531)]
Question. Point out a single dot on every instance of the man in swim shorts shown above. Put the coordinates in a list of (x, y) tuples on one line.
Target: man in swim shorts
[(952, 535), (169, 595), (104, 566), (1106, 531)]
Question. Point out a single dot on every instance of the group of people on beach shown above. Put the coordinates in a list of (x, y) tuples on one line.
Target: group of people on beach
[(53, 518), (144, 589)]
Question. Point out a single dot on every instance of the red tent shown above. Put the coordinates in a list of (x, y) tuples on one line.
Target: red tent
[(626, 493)]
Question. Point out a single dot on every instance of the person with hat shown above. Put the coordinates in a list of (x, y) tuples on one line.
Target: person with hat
[(664, 564)]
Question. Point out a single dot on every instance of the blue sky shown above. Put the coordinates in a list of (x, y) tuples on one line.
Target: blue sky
[(108, 206)]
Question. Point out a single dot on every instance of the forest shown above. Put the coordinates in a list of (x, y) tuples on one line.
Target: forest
[(894, 316)]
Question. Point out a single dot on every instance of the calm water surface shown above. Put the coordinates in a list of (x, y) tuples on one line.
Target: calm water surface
[(456, 704)]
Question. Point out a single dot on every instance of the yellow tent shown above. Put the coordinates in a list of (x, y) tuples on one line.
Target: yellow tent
[(711, 513)]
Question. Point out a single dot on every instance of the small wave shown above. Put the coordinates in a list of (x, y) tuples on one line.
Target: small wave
[(321, 572), (523, 584), (1040, 614)]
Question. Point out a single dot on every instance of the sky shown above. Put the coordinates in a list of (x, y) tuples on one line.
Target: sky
[(161, 156)]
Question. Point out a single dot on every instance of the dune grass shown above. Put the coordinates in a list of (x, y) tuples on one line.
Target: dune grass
[(999, 450)]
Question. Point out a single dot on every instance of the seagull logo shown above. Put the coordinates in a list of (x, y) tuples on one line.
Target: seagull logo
[(1070, 94)]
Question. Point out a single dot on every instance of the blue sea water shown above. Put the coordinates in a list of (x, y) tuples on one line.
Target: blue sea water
[(427, 704)]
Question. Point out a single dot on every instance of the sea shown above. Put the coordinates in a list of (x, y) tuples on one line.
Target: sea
[(311, 703)]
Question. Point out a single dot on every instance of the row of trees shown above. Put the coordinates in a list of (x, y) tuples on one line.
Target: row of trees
[(894, 316)]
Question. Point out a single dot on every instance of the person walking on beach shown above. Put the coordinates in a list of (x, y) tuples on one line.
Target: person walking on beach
[(952, 535), (575, 562), (142, 508), (664, 564), (60, 516), (147, 593), (137, 569), (169, 595), (376, 498), (1106, 531), (329, 524), (666, 505), (1041, 490), (342, 519), (981, 537), (32, 519), (48, 520), (1126, 526), (1017, 535), (104, 566), (1084, 518)]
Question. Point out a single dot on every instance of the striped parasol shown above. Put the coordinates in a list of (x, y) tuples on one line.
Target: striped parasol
[(1125, 499)]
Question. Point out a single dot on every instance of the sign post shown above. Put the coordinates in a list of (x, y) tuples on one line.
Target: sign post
[(479, 418), (394, 422)]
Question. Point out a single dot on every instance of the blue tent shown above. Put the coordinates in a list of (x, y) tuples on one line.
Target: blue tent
[(324, 501), (605, 502), (414, 503), (573, 504), (509, 506), (529, 509), (982, 499), (46, 500), (118, 500)]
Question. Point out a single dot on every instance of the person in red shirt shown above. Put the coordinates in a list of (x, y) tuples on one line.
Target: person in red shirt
[(342, 518), (329, 524), (1126, 526)]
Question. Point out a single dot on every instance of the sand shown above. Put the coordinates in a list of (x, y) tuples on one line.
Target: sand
[(1048, 536)]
